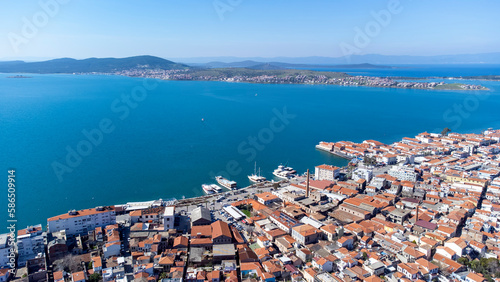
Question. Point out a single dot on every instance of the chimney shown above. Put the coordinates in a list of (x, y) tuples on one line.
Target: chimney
[(307, 184)]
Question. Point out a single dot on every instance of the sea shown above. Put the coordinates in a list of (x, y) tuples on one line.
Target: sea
[(81, 141)]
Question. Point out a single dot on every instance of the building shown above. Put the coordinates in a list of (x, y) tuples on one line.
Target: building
[(399, 216), (403, 173), (78, 277), (221, 234), (200, 216), (30, 243), (59, 276), (4, 274), (362, 173), (57, 249), (81, 222), (326, 172), (306, 234), (283, 221), (148, 215), (4, 250), (111, 249), (169, 218), (266, 198)]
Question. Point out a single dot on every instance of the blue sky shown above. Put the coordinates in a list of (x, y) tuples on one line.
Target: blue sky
[(246, 28)]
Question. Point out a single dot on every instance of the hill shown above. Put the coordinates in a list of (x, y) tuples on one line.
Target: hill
[(68, 65)]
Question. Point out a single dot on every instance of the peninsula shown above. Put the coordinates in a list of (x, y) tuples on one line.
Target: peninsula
[(154, 67)]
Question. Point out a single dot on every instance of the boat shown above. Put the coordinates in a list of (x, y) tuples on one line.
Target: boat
[(284, 172), (256, 178), (211, 188), (216, 188), (226, 183), (207, 188)]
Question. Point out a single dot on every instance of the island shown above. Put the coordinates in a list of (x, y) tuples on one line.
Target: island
[(19, 76), (275, 73)]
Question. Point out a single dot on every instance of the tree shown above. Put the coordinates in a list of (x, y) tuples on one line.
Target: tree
[(463, 260), (95, 277), (163, 275), (445, 131), (369, 160), (365, 256)]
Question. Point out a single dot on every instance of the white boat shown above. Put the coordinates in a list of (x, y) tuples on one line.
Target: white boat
[(207, 188), (216, 188), (257, 178), (284, 172), (226, 183)]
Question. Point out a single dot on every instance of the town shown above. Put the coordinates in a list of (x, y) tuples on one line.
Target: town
[(290, 76), (425, 208)]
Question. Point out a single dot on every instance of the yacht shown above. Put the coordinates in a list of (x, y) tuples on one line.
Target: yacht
[(256, 178), (284, 172)]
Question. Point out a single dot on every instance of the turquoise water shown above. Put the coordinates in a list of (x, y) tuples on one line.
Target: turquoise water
[(163, 149)]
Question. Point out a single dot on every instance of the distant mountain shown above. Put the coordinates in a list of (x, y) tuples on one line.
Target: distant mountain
[(242, 64), (483, 58), (266, 66), (68, 65), (280, 65)]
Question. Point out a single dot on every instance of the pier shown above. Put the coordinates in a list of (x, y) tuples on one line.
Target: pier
[(338, 154)]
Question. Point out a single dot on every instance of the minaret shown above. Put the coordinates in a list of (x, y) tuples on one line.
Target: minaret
[(307, 184)]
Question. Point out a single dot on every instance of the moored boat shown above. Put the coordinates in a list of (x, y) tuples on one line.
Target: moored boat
[(229, 184), (207, 188), (257, 178), (284, 172)]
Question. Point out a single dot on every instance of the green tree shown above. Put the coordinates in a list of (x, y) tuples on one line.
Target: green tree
[(445, 131), (95, 277), (163, 275), (365, 256), (463, 260)]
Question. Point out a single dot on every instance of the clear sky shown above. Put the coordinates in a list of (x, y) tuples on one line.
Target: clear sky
[(246, 28)]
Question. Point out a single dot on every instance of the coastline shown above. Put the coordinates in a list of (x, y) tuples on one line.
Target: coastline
[(392, 81)]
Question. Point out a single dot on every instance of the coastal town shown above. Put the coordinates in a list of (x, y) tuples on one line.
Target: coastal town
[(425, 208), (289, 76)]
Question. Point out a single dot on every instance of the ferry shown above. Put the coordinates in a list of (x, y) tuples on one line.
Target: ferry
[(226, 183), (207, 188), (216, 188), (256, 178), (284, 172)]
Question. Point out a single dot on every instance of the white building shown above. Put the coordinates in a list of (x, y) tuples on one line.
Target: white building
[(111, 249), (169, 218), (83, 221), (326, 172), (362, 173), (30, 243), (234, 212), (4, 250), (403, 173)]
